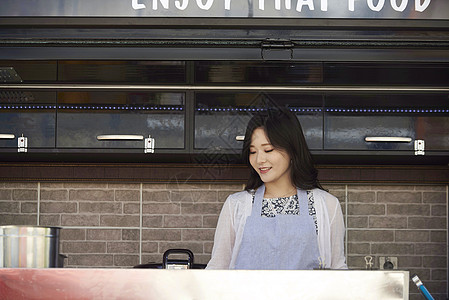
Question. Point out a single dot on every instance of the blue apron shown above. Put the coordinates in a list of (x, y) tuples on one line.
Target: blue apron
[(283, 242)]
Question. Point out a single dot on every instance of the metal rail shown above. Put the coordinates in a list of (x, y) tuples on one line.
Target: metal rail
[(437, 89)]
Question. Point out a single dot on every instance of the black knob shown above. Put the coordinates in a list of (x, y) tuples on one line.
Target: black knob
[(388, 265)]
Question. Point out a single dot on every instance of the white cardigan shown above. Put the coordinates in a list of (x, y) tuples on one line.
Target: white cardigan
[(237, 207)]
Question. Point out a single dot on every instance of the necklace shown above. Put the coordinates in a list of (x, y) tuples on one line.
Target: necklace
[(289, 193)]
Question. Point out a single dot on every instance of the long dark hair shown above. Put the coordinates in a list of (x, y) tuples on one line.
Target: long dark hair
[(284, 132)]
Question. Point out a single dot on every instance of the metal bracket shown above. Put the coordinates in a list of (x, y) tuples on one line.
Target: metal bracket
[(22, 144), (419, 147), (276, 44), (149, 144)]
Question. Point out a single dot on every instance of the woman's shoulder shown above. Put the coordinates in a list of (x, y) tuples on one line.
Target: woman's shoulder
[(239, 197), (324, 196), (239, 203)]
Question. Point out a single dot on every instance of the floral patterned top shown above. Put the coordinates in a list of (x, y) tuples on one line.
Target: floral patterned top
[(287, 206), (280, 206)]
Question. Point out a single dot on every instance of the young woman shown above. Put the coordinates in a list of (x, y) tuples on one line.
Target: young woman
[(284, 219)]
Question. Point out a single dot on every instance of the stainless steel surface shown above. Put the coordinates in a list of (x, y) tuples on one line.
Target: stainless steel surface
[(388, 139), (29, 247), (109, 137), (340, 88), (202, 284)]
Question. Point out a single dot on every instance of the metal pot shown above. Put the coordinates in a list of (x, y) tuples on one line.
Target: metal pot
[(174, 263), (61, 259), (29, 247)]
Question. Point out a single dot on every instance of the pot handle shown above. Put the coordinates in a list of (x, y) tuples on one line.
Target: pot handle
[(178, 251)]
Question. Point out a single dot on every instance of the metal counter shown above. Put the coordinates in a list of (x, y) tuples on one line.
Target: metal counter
[(201, 284)]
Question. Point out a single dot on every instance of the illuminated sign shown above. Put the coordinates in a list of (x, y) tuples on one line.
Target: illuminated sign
[(348, 9)]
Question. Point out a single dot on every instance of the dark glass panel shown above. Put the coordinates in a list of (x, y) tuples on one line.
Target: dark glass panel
[(129, 99), (351, 118), (389, 101), (390, 73), (28, 113), (260, 73), (434, 130), (122, 71), (30, 71), (82, 116), (221, 117)]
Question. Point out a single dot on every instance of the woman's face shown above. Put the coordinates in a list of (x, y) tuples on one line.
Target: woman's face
[(272, 165)]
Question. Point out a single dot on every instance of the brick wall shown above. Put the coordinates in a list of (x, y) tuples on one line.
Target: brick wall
[(119, 225)]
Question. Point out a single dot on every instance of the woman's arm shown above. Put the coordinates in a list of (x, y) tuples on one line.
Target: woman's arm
[(337, 236), (224, 239)]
